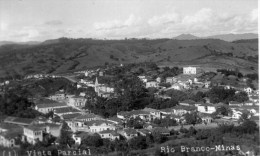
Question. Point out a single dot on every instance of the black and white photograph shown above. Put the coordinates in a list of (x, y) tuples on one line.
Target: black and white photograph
[(129, 78)]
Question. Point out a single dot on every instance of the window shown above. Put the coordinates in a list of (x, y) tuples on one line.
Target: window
[(206, 108)]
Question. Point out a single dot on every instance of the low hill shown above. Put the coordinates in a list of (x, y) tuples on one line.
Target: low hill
[(63, 55), (186, 37)]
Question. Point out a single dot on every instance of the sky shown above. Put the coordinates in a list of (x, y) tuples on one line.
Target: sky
[(39, 20)]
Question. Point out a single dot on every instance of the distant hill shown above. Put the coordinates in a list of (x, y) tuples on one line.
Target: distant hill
[(25, 43), (233, 37), (63, 55), (186, 37)]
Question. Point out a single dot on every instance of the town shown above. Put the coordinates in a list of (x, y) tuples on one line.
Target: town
[(111, 110)]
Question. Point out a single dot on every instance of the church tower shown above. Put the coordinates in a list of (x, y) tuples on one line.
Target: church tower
[(96, 85)]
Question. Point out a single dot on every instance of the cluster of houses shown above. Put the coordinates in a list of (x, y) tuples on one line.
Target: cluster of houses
[(40, 76), (69, 108)]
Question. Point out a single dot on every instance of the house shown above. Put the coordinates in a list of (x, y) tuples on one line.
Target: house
[(130, 133), (77, 125), (143, 132), (65, 110), (207, 108), (77, 101), (248, 90), (177, 86), (207, 84), (109, 134), (189, 70), (187, 103), (100, 125), (154, 112), (143, 78), (180, 110), (79, 136), (88, 117), (58, 96), (235, 103), (171, 80), (158, 79), (206, 118), (248, 103), (33, 134), (48, 107), (152, 84), (70, 116), (8, 135), (254, 98)]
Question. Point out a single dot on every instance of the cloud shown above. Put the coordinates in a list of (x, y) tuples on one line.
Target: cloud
[(53, 22), (132, 20), (164, 19)]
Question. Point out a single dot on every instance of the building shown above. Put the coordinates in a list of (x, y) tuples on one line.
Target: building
[(18, 121), (177, 86), (129, 133), (207, 108), (152, 84), (100, 125), (58, 96), (158, 79), (171, 80), (109, 134), (9, 134), (48, 107), (180, 110), (248, 90), (88, 117), (189, 70), (103, 90), (65, 110), (77, 125), (77, 101), (33, 134), (143, 78), (235, 103)]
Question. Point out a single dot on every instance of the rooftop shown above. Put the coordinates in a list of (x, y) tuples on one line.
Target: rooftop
[(65, 110), (114, 133), (19, 121), (71, 116), (98, 122), (86, 116), (47, 105)]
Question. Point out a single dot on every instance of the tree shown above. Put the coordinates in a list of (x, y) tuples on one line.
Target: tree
[(92, 140), (223, 110), (138, 143), (192, 118), (244, 116), (65, 138), (241, 97)]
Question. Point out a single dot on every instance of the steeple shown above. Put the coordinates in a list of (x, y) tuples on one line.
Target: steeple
[(96, 85)]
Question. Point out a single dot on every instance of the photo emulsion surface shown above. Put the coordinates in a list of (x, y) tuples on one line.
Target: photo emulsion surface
[(129, 78)]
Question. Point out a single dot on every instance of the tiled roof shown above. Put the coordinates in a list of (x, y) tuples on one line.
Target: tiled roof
[(71, 116), (65, 110), (35, 127), (86, 116), (98, 122), (19, 121), (184, 107), (114, 133), (53, 105)]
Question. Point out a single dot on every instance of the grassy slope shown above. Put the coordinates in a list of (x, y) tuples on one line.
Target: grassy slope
[(67, 55)]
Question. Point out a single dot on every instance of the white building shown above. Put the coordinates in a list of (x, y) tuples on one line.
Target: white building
[(109, 134), (33, 133), (189, 70), (77, 101), (248, 90), (100, 125), (207, 108), (152, 84)]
